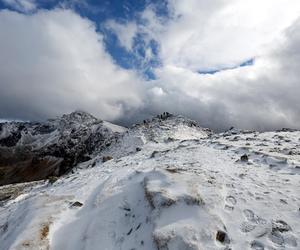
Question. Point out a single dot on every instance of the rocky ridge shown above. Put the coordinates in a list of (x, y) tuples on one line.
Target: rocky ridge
[(36, 150)]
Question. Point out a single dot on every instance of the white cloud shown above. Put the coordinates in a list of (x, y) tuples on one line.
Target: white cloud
[(206, 34), (53, 62), (22, 5), (215, 34), (262, 96), (126, 33), (157, 91)]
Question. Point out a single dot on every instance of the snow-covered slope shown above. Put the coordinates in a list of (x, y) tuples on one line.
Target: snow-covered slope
[(163, 128), (170, 185)]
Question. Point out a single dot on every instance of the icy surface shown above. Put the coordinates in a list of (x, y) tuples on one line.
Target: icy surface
[(184, 188)]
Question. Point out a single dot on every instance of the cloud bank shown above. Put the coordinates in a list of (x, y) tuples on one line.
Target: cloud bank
[(213, 35), (56, 61)]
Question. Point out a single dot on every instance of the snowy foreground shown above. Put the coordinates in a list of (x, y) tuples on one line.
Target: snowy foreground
[(170, 185)]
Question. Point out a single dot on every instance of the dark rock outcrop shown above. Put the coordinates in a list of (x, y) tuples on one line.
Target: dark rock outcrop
[(36, 150)]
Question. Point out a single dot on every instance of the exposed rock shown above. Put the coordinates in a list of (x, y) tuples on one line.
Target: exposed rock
[(36, 150), (244, 158), (76, 204), (21, 165), (10, 192), (52, 179), (287, 130), (106, 158), (222, 237), (153, 154)]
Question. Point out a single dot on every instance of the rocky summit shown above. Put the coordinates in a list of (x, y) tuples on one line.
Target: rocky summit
[(166, 184)]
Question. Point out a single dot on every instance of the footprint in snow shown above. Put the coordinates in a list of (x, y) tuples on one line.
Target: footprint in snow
[(247, 227), (252, 217), (281, 234), (230, 200), (228, 208), (254, 224)]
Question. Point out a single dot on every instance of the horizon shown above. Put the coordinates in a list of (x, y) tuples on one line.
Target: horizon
[(131, 125), (221, 63)]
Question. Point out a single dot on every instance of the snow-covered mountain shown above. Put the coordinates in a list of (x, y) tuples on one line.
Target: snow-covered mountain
[(33, 151), (165, 184)]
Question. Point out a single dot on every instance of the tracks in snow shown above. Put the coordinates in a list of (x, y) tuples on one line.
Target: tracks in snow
[(184, 196)]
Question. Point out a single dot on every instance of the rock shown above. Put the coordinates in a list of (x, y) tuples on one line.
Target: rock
[(169, 139), (52, 179), (244, 158), (11, 192), (106, 158), (222, 237), (76, 204), (11, 140), (153, 154), (286, 130)]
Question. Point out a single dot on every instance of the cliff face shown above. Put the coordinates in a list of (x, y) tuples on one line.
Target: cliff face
[(33, 151)]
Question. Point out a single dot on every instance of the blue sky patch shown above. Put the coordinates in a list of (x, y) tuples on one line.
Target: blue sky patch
[(249, 62), (121, 11)]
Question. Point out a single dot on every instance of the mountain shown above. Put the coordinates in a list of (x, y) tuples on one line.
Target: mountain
[(34, 151), (166, 183)]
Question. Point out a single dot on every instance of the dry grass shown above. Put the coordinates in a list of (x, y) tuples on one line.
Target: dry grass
[(44, 231)]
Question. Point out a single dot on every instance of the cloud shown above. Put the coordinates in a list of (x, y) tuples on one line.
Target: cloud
[(126, 33), (263, 96), (215, 35), (138, 42), (22, 5), (53, 62)]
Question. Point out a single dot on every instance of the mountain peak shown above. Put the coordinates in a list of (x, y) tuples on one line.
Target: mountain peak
[(79, 116)]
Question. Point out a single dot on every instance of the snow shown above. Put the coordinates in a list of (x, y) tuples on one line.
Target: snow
[(5, 132), (177, 192), (113, 127)]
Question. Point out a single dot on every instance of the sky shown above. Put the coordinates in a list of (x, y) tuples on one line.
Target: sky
[(221, 62)]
